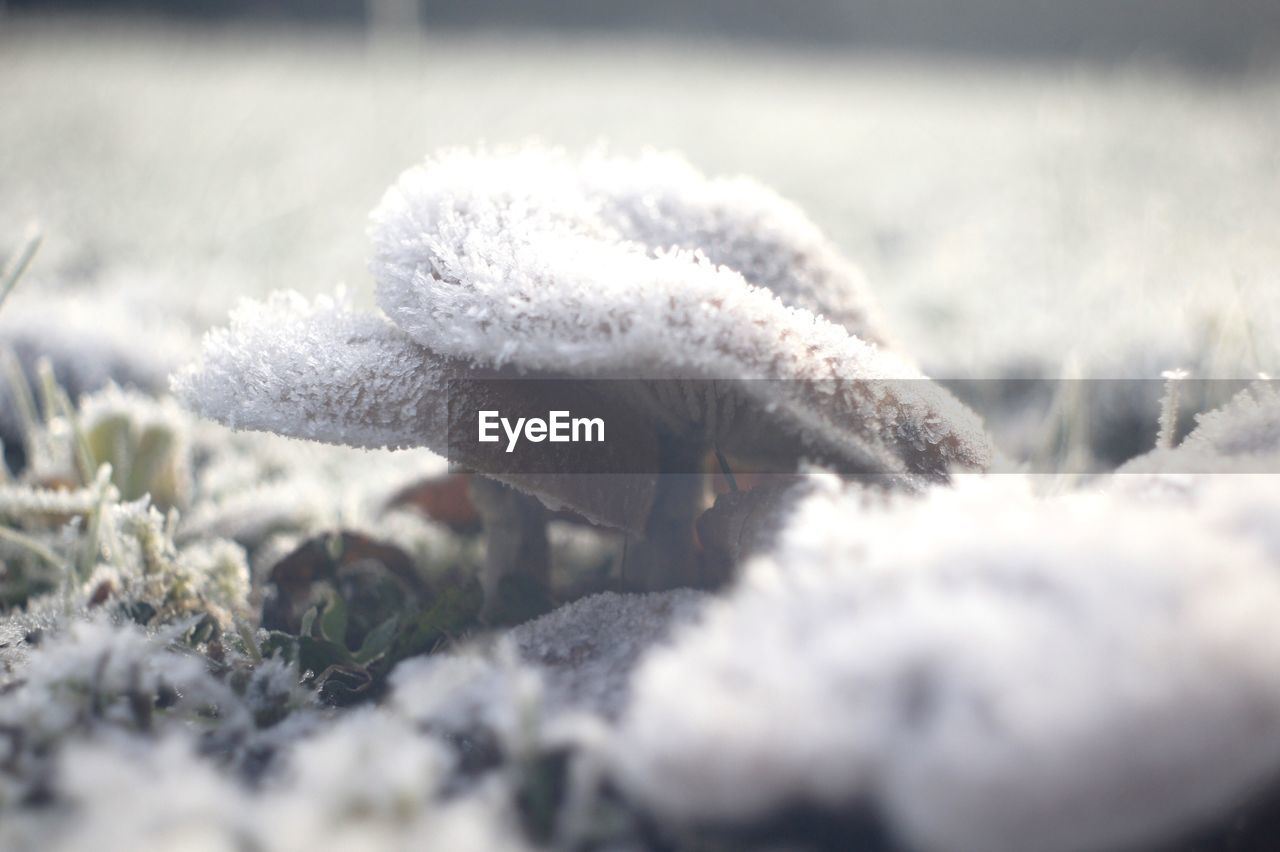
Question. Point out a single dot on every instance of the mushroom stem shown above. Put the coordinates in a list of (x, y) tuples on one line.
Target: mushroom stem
[(664, 558), (515, 527)]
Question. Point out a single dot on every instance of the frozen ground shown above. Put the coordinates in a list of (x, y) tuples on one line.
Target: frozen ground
[(956, 672)]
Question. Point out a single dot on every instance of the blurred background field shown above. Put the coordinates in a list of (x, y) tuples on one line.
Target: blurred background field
[(1030, 192)]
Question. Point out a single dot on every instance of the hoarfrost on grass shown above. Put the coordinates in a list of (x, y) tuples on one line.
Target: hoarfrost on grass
[(91, 340), (1242, 436)]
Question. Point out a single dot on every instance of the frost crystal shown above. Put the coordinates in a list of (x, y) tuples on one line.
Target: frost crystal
[(90, 341), (1242, 436), (656, 200), (490, 263), (318, 370), (1018, 671), (478, 271), (588, 649), (474, 273)]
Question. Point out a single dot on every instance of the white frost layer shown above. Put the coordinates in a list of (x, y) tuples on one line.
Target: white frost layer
[(1094, 671), (478, 274), (369, 782), (658, 201), (316, 369), (470, 268), (588, 649), (477, 270), (1242, 436), (370, 779)]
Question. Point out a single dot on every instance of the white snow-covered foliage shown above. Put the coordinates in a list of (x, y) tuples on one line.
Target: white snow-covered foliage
[(86, 674), (980, 665), (91, 546), (368, 782), (131, 793), (1242, 436), (90, 340), (375, 781), (235, 492), (87, 679)]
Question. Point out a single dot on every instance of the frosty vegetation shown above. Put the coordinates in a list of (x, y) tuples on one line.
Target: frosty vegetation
[(214, 635)]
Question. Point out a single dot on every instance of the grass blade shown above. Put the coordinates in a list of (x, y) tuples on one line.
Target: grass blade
[(10, 277)]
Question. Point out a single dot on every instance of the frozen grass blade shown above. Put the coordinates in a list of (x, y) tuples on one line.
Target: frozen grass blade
[(56, 403), (33, 545), (11, 276), (20, 390), (93, 533), (1169, 408)]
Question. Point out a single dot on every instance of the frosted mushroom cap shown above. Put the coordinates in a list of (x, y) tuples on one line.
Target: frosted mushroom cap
[(523, 275), (318, 370), (656, 200), (531, 266)]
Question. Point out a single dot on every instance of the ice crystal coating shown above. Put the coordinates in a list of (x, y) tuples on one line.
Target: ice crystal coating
[(490, 265), (369, 782), (318, 370), (1242, 436), (1018, 671), (90, 341), (588, 649), (476, 270), (659, 201)]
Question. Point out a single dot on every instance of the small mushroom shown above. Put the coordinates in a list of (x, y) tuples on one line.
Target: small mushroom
[(532, 262), (516, 272)]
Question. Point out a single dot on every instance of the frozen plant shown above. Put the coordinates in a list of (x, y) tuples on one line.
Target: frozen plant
[(1017, 671), (91, 677), (67, 528), (90, 341), (1242, 436), (483, 276), (144, 440), (120, 794)]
